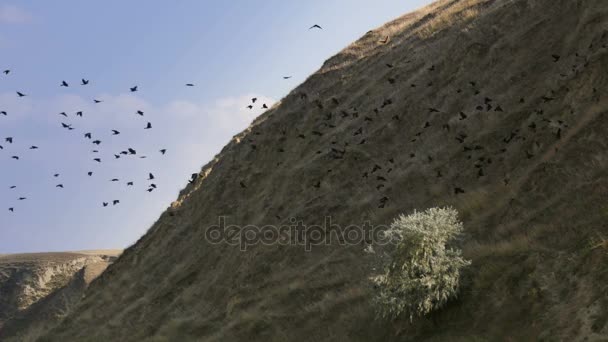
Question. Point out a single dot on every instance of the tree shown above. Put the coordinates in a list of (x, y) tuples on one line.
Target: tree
[(421, 273)]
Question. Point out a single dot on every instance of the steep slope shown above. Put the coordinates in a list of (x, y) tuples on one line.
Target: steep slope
[(37, 289), (379, 130)]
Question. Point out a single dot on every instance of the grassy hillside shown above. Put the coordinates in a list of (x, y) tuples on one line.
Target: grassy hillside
[(505, 101)]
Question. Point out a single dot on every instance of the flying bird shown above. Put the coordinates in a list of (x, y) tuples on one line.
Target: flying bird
[(89, 173), (250, 107), (6, 71), (114, 180), (20, 94), (189, 84), (163, 151), (148, 126), (59, 186), (315, 26), (22, 198), (264, 106), (131, 151), (286, 77), (129, 183), (140, 112), (115, 132), (97, 160), (3, 113), (9, 140), (150, 176), (254, 99), (133, 89), (15, 157), (64, 84), (79, 113), (33, 147), (97, 101), (115, 202), (11, 210), (97, 142), (84, 82), (105, 204), (87, 135), (64, 114)]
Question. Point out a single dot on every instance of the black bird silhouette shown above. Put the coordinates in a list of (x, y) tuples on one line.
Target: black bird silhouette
[(33, 147), (250, 107), (129, 183), (84, 82), (6, 71), (150, 190), (131, 151), (64, 125), (150, 176), (116, 156), (15, 157), (64, 114), (115, 132), (163, 151), (114, 180), (115, 202), (89, 173), (13, 186), (59, 186), (153, 186), (315, 26), (97, 160), (9, 140), (97, 101), (254, 99), (3, 113), (11, 210), (286, 77), (148, 126), (105, 204), (193, 178), (87, 135), (264, 106), (22, 198), (133, 89), (64, 84), (97, 142), (20, 94), (79, 113), (189, 84), (140, 112)]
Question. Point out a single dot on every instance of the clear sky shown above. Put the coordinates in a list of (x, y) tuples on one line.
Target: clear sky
[(231, 50)]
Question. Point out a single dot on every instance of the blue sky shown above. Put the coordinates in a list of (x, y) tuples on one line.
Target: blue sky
[(231, 51)]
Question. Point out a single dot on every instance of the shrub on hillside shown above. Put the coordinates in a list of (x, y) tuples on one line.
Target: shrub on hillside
[(421, 273)]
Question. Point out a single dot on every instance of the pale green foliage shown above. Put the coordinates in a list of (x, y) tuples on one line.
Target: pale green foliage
[(421, 273)]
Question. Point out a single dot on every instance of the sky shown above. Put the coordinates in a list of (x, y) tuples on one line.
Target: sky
[(231, 51)]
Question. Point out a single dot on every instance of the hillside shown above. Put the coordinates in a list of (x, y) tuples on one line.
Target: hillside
[(498, 108), (37, 289)]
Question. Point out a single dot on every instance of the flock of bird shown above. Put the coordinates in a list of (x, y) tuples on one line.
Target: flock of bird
[(97, 142), (88, 135)]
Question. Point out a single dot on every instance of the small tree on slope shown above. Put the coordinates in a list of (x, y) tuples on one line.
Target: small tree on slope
[(421, 272)]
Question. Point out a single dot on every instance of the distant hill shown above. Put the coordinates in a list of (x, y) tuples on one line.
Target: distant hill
[(37, 289), (498, 108)]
